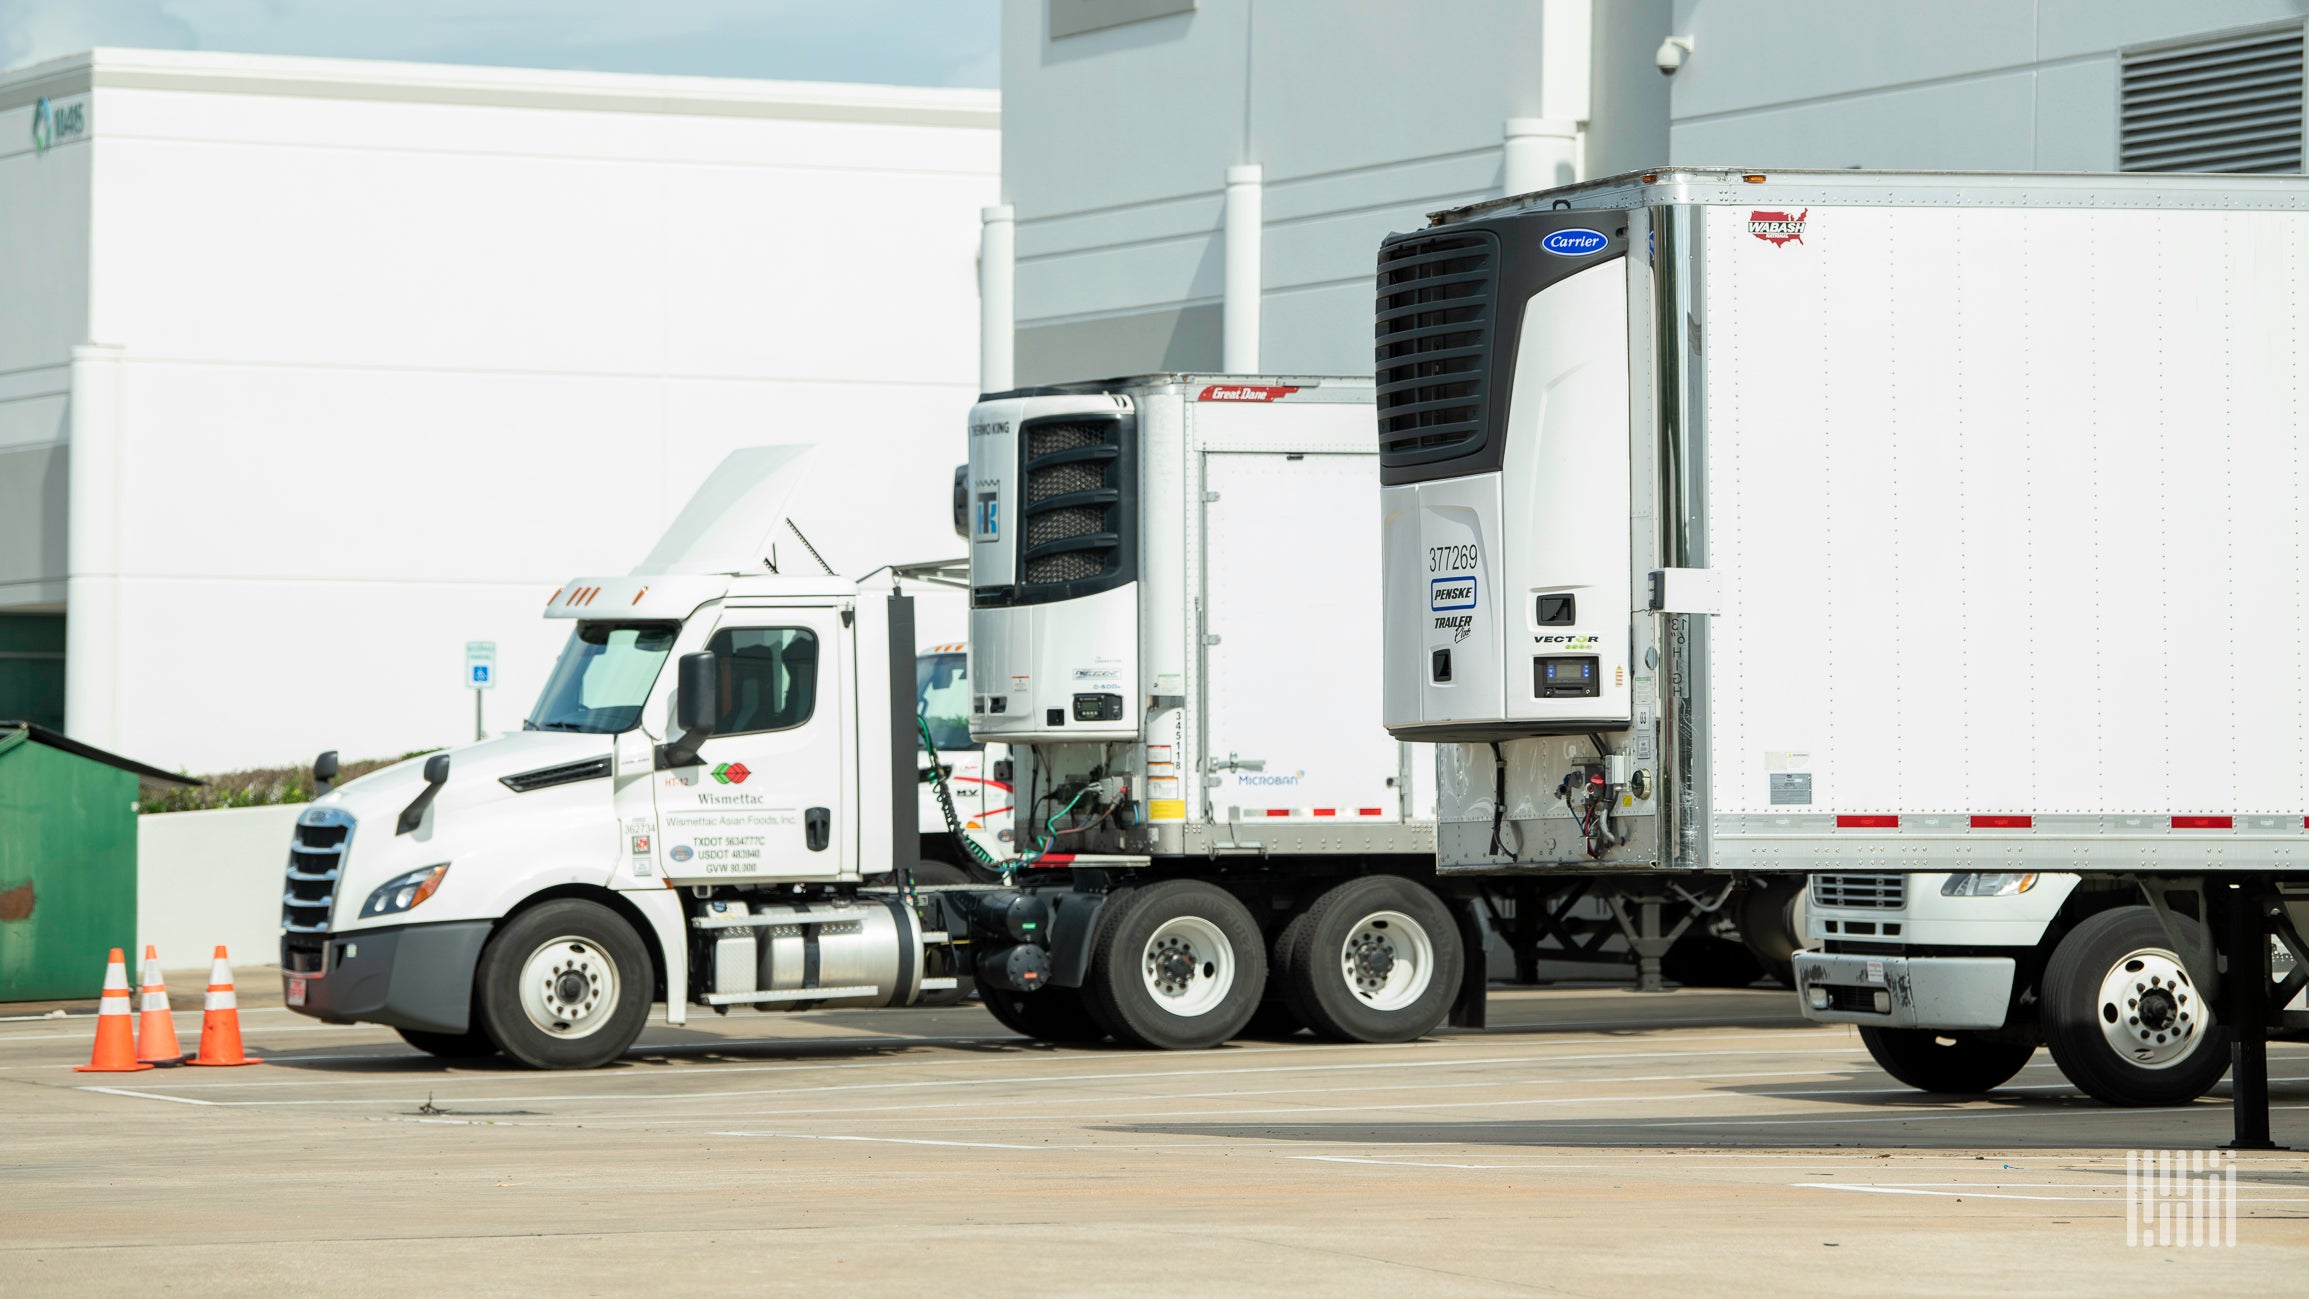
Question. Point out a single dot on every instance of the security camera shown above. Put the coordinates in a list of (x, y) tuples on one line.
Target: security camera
[(1671, 54)]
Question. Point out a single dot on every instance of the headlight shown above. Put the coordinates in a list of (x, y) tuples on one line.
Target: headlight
[(1988, 884), (405, 892)]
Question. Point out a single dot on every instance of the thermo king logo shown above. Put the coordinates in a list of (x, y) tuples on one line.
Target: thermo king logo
[(1451, 593), (1574, 243)]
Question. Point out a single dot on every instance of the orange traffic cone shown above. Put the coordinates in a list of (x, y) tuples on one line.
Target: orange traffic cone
[(155, 1030), (115, 1040), (220, 1021)]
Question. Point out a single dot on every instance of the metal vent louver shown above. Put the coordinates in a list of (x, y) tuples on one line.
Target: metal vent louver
[(1889, 892), (1072, 506), (1431, 332), (317, 849), (2229, 104)]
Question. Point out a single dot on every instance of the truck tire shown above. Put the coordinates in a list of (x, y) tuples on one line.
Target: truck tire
[(2123, 1018), (1771, 920), (564, 985), (1178, 965), (1047, 1014), (1376, 959), (1275, 1020), (472, 1045), (1703, 960), (1959, 1064)]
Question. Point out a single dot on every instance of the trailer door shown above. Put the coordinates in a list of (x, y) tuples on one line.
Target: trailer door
[(1291, 638)]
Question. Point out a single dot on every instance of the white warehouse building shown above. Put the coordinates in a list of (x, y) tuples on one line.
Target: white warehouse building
[(312, 371)]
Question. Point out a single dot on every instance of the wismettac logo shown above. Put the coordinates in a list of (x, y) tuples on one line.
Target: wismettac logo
[(731, 773), (1574, 243), (1778, 228)]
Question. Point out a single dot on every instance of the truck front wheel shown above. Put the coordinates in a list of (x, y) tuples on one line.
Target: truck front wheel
[(1376, 959), (564, 985), (1178, 965), (1951, 1063), (472, 1045), (2124, 1019)]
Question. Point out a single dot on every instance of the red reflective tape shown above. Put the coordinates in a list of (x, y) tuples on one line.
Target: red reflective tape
[(1326, 811), (2203, 823), (1278, 811), (1869, 822), (1053, 859), (2002, 822), (1380, 811), (1244, 392)]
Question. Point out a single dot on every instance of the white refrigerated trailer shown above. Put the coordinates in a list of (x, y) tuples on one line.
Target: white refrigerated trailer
[(1846, 522)]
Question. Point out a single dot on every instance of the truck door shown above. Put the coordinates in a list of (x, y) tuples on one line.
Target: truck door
[(1292, 634), (773, 792)]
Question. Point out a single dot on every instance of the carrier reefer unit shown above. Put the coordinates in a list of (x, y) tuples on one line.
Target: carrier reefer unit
[(1853, 522)]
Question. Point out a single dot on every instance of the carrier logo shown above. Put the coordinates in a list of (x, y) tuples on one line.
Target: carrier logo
[(730, 773), (1243, 392), (1574, 243), (1451, 593), (1778, 228)]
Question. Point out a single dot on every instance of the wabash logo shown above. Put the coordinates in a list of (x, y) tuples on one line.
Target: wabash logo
[(1778, 228)]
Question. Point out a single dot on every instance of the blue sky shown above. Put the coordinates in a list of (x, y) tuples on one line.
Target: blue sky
[(899, 42)]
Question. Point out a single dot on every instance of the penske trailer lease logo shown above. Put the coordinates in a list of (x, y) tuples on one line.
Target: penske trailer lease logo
[(1778, 228), (1451, 592), (1574, 243)]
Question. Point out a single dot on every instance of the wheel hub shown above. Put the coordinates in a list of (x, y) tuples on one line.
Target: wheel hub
[(1189, 966), (568, 987), (2149, 1010), (1388, 960)]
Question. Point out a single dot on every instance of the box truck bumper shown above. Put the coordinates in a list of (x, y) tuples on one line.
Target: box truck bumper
[(1948, 992), (411, 976)]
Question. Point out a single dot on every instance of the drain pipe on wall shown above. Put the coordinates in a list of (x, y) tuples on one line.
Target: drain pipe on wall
[(1239, 310), (1551, 149), (997, 322)]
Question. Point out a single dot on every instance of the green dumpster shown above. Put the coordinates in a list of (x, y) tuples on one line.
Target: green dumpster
[(67, 860)]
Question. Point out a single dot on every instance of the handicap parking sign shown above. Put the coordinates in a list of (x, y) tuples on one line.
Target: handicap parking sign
[(481, 665)]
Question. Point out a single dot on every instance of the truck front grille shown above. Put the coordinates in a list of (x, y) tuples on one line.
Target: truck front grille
[(317, 851), (1887, 892), (1432, 332)]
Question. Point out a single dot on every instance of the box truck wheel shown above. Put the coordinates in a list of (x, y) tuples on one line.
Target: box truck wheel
[(564, 985), (1177, 965), (2123, 1018), (1376, 959), (1955, 1063), (1046, 1014), (450, 1046)]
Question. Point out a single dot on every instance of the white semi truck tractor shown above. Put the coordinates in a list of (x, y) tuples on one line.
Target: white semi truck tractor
[(1898, 525)]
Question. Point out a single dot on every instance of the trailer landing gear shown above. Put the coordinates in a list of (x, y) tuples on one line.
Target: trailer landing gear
[(2243, 914)]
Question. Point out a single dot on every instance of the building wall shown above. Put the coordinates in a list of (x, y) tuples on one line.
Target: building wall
[(44, 220), (402, 349), (1976, 85), (1364, 114)]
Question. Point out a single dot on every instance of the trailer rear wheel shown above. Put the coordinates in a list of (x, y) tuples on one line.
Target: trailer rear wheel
[(1046, 1014), (2124, 1019), (564, 985), (471, 1045), (1376, 959), (1178, 965), (1951, 1063)]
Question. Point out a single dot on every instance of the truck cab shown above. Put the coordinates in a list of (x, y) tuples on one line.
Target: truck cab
[(719, 763)]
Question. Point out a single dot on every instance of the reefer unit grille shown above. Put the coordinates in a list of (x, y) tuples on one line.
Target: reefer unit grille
[(1433, 332), (1072, 503), (2232, 104), (1888, 892)]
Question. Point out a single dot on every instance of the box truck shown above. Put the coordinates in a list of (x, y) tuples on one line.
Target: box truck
[(1854, 523)]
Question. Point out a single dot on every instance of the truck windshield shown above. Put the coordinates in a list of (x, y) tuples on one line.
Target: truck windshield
[(942, 700), (603, 678)]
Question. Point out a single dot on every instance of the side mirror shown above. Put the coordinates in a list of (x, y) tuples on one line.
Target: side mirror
[(436, 775), (325, 772), (961, 500), (698, 703)]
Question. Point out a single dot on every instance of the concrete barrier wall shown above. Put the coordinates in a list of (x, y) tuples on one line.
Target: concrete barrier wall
[(204, 878)]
